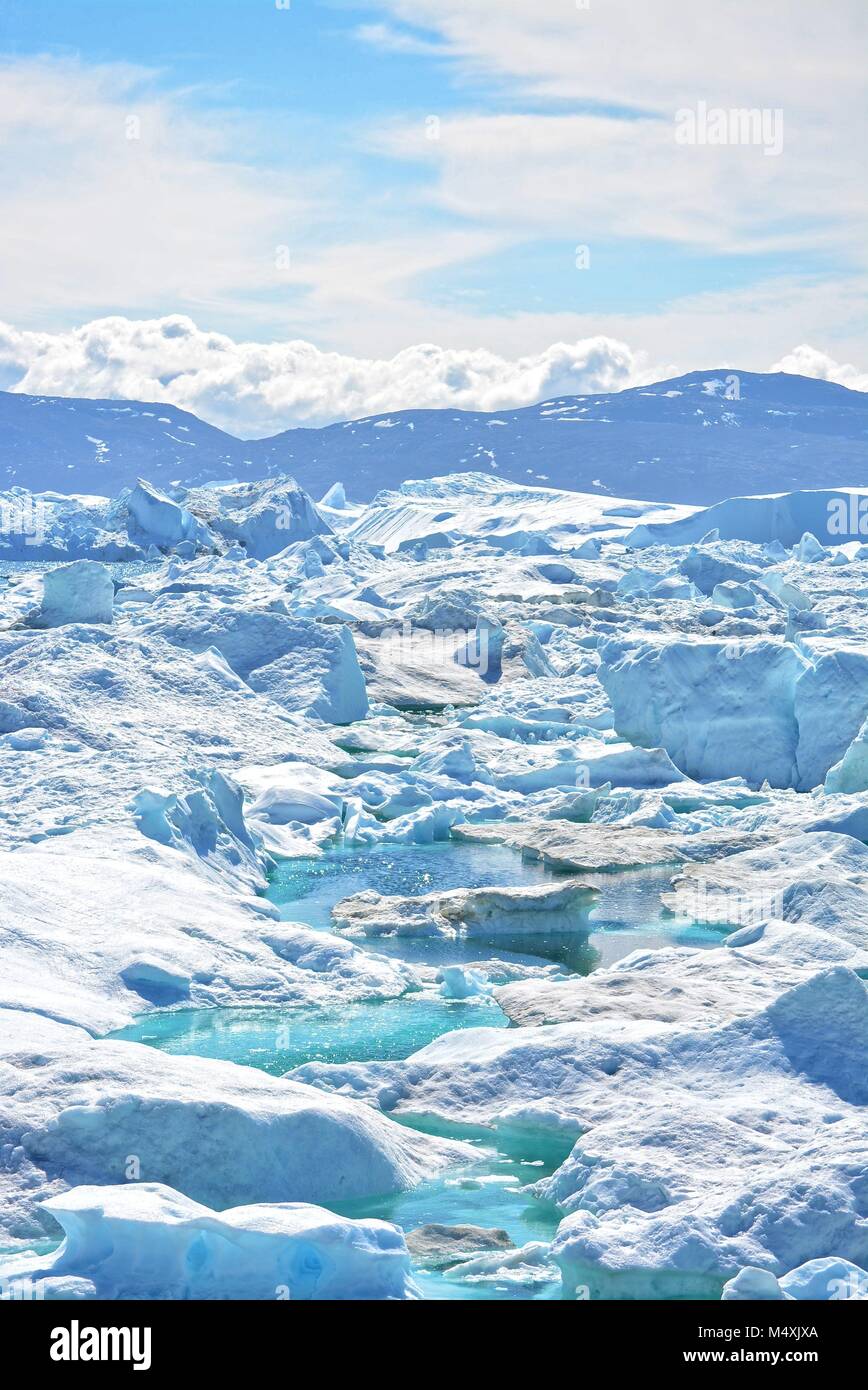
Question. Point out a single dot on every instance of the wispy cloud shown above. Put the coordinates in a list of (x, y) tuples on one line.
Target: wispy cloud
[(129, 198), (117, 194), (388, 39)]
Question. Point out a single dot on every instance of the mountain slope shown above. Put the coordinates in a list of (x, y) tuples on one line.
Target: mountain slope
[(683, 440), (64, 444)]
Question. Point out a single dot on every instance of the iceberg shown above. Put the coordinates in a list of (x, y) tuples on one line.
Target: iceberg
[(99, 1113)]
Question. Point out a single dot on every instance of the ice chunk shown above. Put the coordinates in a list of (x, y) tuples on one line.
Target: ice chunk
[(78, 1110), (719, 709), (673, 587), (526, 1266), (320, 675), (155, 519), (753, 1285), (144, 1239), (335, 497), (809, 549), (469, 911), (827, 1278), (303, 665), (732, 595), (82, 592), (850, 774), (461, 983), (265, 518), (821, 1279)]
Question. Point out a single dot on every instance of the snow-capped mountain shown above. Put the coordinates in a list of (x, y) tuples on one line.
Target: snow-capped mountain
[(696, 439)]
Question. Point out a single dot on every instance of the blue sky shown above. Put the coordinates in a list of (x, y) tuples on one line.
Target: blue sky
[(281, 184)]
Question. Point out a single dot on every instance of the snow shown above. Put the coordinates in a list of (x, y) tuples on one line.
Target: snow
[(81, 1112)]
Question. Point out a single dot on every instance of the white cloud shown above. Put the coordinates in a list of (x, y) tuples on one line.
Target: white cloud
[(119, 195), (259, 388), (594, 176), (388, 39), (184, 220), (655, 57), (608, 164), (808, 361)]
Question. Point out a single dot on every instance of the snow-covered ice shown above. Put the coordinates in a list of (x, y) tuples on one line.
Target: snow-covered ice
[(144, 1239), (82, 592), (200, 683), (472, 911)]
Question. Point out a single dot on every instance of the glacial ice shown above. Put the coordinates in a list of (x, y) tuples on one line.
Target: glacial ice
[(459, 982), (264, 519), (143, 1239), (155, 519), (822, 1279), (467, 911), (695, 699), (698, 1150), (81, 1111), (82, 592), (676, 688), (301, 665)]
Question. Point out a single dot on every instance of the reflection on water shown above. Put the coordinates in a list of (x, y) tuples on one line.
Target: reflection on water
[(628, 915), (277, 1040)]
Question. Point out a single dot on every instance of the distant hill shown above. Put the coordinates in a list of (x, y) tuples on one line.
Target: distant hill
[(683, 440)]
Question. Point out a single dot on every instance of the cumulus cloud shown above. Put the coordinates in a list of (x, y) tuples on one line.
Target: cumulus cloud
[(259, 388), (808, 361), (256, 389)]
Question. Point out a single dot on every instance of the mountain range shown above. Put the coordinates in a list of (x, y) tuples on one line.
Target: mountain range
[(696, 439)]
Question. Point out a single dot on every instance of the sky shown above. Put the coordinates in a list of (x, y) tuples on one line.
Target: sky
[(281, 213)]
